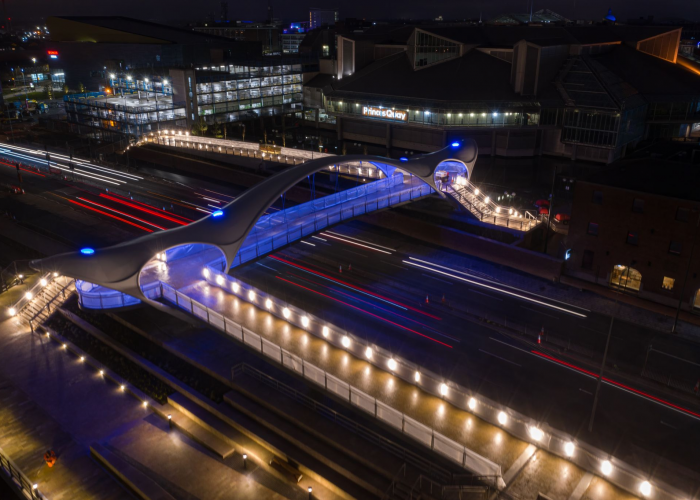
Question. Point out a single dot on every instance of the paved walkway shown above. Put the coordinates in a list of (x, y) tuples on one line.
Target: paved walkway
[(217, 352), (49, 400)]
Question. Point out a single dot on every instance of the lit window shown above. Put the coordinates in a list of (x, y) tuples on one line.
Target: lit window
[(668, 283)]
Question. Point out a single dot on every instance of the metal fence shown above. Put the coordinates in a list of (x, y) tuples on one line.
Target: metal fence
[(403, 423), (20, 481), (542, 435)]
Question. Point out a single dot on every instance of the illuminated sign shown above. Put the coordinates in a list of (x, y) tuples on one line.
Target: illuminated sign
[(388, 114), (53, 54)]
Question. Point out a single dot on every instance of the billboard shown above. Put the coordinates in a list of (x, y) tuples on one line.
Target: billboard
[(387, 114)]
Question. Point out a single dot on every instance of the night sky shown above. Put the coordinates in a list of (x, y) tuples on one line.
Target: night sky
[(291, 10)]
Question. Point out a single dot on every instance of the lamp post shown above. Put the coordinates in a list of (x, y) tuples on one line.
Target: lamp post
[(605, 352), (685, 278), (551, 206)]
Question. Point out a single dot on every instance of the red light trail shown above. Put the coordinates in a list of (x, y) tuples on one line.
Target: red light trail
[(152, 208), (366, 312), (23, 169), (110, 215), (152, 212), (355, 287), (619, 385), (121, 213)]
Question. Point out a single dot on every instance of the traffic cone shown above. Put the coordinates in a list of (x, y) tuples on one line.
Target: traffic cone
[(539, 336), (349, 268), (340, 269), (427, 299), (443, 298), (697, 387)]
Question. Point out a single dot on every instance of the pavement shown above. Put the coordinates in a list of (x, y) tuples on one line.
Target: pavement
[(49, 400), (216, 352)]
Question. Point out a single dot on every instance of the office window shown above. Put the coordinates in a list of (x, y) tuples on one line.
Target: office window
[(633, 237), (326, 51), (593, 228), (638, 205), (675, 247), (598, 197), (587, 261), (682, 214), (668, 283), (626, 278)]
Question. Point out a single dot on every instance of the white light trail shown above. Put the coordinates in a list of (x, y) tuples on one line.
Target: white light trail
[(499, 290), (355, 243)]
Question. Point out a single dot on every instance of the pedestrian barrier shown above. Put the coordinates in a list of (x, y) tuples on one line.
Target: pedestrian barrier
[(20, 481), (538, 433)]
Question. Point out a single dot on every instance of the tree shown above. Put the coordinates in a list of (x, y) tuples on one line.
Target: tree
[(199, 127), (81, 88), (216, 130), (48, 92), (65, 88)]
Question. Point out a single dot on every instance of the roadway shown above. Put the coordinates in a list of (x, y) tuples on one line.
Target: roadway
[(383, 299)]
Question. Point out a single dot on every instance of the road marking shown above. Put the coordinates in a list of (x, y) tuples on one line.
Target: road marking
[(668, 425), (331, 235), (363, 241), (585, 391), (271, 269), (510, 345), (539, 312), (486, 295), (307, 243), (502, 359), (436, 279), (519, 464), (316, 237), (581, 487), (390, 264)]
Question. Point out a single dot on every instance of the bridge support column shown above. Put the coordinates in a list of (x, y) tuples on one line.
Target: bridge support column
[(388, 138)]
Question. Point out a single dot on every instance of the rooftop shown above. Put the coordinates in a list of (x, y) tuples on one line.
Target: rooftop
[(647, 175)]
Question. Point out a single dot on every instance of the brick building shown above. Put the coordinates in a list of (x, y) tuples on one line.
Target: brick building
[(635, 227)]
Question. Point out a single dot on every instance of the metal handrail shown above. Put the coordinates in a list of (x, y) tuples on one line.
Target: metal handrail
[(62, 291), (411, 457), (18, 478)]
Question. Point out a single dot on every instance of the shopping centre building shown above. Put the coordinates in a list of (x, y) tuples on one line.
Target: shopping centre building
[(581, 92)]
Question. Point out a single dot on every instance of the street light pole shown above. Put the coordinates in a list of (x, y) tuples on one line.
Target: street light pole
[(551, 206), (685, 278), (605, 352)]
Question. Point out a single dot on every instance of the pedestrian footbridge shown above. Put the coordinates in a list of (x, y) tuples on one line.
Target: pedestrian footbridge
[(125, 274)]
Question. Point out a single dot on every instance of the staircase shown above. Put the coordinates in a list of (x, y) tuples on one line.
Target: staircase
[(55, 293), (484, 209)]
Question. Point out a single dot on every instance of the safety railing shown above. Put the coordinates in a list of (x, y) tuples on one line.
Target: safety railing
[(486, 211), (429, 468), (540, 434), (47, 306), (93, 296), (20, 481), (26, 298), (421, 433), (281, 228)]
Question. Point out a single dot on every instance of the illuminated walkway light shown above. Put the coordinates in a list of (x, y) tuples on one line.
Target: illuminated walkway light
[(268, 304), (368, 353), (443, 389), (502, 418), (455, 144), (346, 341), (645, 488), (28, 295), (392, 364), (569, 449), (305, 321), (536, 433), (235, 287), (416, 376), (606, 467), (251, 295), (472, 404), (205, 272), (43, 282), (87, 251), (217, 213), (286, 313), (325, 331), (220, 280), (12, 311)]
